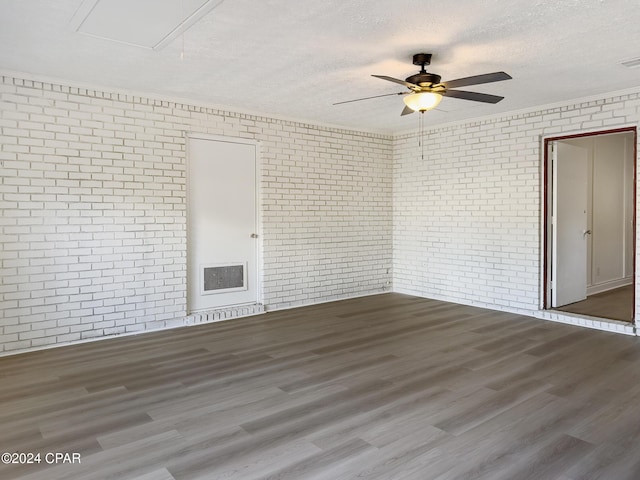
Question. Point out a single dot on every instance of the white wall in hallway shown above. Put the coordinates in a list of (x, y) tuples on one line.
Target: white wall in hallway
[(609, 209)]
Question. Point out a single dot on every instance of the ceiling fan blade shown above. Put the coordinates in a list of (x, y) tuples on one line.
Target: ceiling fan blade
[(397, 80), (375, 96), (406, 111), (473, 96), (477, 80)]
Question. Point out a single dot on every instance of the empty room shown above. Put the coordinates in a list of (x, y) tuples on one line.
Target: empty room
[(324, 240)]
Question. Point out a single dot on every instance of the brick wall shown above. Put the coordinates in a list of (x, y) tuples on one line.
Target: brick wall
[(467, 217), (93, 203), (93, 189)]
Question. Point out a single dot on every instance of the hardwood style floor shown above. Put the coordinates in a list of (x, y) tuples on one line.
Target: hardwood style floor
[(616, 304), (383, 387)]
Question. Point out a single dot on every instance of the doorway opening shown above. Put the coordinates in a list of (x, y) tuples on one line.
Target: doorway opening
[(589, 226)]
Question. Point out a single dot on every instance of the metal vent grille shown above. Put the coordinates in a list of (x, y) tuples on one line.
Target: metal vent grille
[(223, 278)]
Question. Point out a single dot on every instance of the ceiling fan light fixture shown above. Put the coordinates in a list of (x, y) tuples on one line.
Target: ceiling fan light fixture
[(426, 90), (422, 101)]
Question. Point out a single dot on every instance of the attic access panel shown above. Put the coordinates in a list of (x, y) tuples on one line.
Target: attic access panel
[(142, 23)]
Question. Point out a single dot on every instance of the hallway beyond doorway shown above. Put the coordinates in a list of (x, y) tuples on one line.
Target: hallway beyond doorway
[(616, 304)]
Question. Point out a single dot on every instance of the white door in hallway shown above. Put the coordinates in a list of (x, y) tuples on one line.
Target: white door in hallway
[(222, 253), (569, 248)]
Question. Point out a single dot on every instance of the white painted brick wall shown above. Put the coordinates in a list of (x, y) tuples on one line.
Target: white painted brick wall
[(467, 218), (92, 195), (93, 202)]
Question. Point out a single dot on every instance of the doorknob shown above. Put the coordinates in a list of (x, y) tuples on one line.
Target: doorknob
[(254, 235), (586, 232)]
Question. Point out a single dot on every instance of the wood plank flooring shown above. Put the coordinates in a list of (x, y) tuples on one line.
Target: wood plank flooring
[(616, 304), (378, 388)]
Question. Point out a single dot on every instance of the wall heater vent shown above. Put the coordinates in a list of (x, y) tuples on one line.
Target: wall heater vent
[(224, 278)]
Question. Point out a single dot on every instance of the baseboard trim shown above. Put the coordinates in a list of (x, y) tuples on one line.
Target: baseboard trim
[(611, 285)]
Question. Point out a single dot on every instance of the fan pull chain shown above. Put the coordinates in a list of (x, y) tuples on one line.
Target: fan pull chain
[(421, 133)]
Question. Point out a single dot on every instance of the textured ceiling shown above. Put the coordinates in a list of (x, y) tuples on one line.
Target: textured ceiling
[(294, 59)]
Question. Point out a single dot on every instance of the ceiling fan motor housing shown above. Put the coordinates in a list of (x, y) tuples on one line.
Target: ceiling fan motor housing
[(424, 79)]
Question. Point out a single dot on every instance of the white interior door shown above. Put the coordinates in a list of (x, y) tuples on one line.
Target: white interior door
[(222, 224), (569, 224)]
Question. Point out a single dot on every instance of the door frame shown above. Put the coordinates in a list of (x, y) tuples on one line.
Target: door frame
[(546, 207), (258, 226)]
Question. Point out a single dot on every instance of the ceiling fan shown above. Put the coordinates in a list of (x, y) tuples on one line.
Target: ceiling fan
[(426, 90)]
